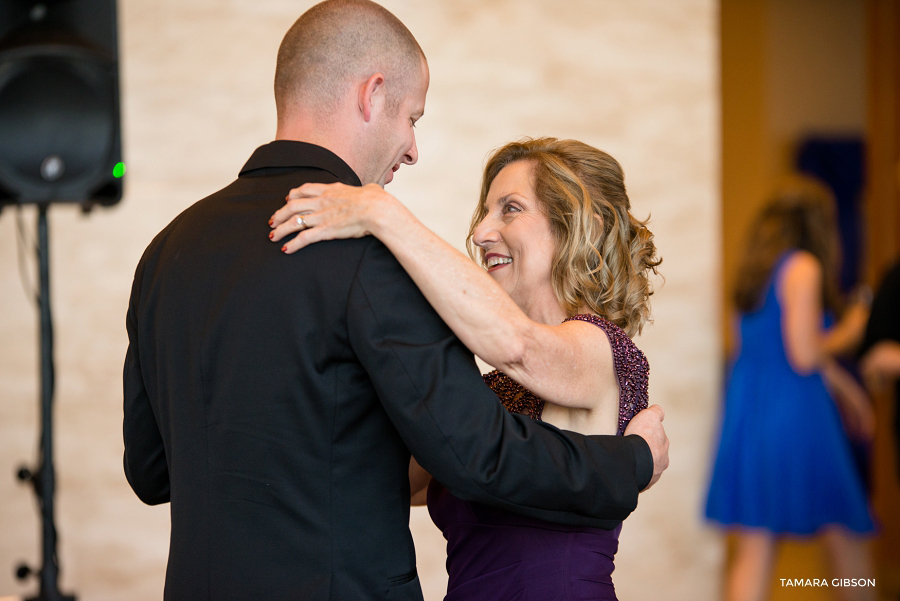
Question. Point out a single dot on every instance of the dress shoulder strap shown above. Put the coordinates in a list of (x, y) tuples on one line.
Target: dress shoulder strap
[(631, 366)]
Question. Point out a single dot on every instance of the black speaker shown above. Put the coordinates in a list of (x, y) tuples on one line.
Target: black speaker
[(60, 137)]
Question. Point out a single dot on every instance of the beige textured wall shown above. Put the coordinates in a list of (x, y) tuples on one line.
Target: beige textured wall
[(638, 79)]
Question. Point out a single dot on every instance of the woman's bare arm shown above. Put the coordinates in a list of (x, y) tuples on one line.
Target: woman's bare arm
[(564, 364), (806, 343), (800, 294), (846, 335)]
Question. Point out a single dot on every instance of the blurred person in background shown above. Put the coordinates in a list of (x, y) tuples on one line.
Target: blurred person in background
[(880, 352), (784, 465)]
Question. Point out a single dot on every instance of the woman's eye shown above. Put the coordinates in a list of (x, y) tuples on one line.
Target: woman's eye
[(511, 208)]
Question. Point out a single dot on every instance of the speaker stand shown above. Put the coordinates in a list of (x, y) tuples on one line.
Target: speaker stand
[(44, 480)]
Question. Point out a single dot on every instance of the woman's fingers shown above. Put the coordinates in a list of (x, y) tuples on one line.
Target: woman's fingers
[(305, 238), (308, 198), (307, 190), (305, 199), (306, 230), (292, 222), (333, 210), (328, 223), (292, 208)]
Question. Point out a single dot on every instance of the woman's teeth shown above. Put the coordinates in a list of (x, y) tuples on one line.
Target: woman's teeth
[(494, 261)]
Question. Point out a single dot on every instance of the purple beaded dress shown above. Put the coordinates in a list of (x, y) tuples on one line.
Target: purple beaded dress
[(493, 555)]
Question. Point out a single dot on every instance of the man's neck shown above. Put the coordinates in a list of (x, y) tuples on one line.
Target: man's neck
[(320, 133)]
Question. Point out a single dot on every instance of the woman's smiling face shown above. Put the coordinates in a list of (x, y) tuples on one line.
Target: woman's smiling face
[(517, 244)]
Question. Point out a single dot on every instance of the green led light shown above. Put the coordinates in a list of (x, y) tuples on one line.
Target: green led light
[(119, 169)]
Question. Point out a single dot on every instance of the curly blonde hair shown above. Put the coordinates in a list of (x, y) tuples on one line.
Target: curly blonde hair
[(604, 255)]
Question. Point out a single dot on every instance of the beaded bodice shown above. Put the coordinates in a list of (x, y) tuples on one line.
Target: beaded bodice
[(630, 364), (515, 397)]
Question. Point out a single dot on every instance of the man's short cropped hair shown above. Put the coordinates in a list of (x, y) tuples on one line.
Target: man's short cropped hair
[(336, 43)]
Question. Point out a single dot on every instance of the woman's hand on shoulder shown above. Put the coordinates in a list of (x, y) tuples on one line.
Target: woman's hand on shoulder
[(319, 212)]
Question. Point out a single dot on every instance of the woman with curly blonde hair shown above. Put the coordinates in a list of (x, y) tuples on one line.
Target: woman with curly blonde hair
[(563, 284)]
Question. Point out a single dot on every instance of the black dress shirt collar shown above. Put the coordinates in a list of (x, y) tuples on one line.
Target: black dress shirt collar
[(290, 154)]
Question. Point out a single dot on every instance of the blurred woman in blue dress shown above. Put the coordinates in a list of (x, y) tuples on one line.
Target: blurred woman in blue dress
[(784, 464)]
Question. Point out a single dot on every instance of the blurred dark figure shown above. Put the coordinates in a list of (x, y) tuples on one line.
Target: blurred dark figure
[(784, 464), (839, 162), (880, 351)]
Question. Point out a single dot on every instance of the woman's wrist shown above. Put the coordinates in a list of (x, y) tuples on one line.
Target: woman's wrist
[(385, 216)]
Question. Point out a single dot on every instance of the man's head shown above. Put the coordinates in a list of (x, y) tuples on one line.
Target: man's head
[(351, 77)]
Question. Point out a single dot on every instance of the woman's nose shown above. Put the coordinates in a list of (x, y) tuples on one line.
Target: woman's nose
[(485, 234)]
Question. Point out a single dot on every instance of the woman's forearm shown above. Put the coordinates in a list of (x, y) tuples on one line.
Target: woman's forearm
[(837, 378), (847, 334), (851, 399), (484, 317)]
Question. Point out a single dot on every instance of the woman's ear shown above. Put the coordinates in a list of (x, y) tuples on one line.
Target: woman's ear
[(599, 219)]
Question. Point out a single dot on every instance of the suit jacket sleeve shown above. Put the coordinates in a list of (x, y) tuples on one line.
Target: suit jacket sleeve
[(456, 428), (145, 458)]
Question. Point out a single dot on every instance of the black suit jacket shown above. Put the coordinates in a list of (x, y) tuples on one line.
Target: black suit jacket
[(274, 401)]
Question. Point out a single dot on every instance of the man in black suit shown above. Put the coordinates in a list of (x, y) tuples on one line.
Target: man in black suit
[(274, 400)]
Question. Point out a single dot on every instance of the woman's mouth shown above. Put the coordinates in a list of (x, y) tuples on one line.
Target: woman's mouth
[(494, 262)]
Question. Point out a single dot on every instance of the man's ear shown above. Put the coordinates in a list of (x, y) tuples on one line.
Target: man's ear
[(371, 96)]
